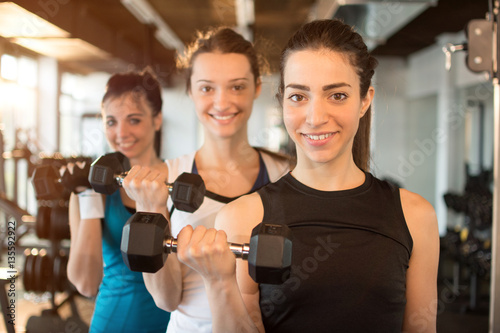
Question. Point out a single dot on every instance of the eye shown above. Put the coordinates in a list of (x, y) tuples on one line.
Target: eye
[(339, 96), (135, 121), (238, 87), (206, 89), (110, 122), (296, 98)]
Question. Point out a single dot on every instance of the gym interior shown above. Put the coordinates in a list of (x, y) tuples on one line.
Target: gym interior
[(435, 125)]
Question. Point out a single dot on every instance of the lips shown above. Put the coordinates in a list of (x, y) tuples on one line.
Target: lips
[(223, 116), (125, 145), (317, 137)]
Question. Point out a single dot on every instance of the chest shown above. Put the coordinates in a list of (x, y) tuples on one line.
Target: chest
[(230, 181)]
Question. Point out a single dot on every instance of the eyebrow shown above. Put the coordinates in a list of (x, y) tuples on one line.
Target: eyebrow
[(325, 88), (232, 80), (128, 116)]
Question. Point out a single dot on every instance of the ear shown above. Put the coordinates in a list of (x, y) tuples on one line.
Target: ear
[(367, 101), (158, 121), (258, 88)]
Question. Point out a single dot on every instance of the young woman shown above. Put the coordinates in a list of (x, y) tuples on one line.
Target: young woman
[(131, 110), (365, 254), (223, 80)]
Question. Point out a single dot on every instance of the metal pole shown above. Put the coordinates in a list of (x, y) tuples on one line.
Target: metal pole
[(495, 234)]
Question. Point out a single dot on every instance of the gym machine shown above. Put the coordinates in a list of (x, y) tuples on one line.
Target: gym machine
[(483, 55), (45, 268)]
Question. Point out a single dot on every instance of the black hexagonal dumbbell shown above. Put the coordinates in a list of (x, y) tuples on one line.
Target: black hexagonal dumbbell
[(146, 243), (49, 184), (108, 171)]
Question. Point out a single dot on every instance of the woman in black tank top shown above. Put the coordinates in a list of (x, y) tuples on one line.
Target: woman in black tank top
[(365, 253)]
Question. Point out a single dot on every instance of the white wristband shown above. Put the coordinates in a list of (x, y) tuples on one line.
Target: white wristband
[(91, 206)]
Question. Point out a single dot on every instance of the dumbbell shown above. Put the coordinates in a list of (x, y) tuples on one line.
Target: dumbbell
[(108, 171), (146, 243), (52, 222), (49, 184)]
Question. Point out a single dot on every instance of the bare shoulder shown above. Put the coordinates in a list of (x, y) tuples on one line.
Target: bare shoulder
[(289, 160), (419, 214), (239, 217), (275, 155)]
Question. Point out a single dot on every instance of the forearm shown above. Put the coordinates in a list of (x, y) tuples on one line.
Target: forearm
[(165, 286), (85, 265), (229, 313)]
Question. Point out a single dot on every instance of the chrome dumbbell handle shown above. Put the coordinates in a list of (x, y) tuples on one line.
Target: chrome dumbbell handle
[(119, 179), (239, 250)]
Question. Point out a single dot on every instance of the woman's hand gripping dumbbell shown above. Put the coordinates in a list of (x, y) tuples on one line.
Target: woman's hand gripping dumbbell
[(49, 184), (146, 243), (108, 171)]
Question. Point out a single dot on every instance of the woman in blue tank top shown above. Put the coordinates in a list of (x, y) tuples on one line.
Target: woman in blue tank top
[(131, 110), (365, 254)]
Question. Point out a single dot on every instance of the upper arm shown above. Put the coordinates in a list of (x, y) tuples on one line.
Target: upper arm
[(238, 219), (421, 277), (165, 286)]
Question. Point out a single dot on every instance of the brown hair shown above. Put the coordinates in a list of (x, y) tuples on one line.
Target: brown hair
[(337, 36), (223, 40), (144, 84)]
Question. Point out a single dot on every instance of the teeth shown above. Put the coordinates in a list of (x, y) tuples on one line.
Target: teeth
[(318, 137), (223, 117), (126, 145)]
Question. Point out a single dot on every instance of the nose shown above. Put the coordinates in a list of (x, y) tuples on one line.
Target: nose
[(316, 113), (122, 129), (221, 101)]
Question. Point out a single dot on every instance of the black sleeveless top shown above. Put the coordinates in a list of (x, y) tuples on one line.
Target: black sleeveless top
[(350, 255)]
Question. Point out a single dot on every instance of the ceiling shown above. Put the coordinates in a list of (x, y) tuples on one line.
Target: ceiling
[(103, 35)]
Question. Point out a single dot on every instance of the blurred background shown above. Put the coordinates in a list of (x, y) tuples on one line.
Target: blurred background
[(432, 129)]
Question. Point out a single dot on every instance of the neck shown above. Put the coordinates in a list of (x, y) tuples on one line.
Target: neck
[(220, 152), (331, 176)]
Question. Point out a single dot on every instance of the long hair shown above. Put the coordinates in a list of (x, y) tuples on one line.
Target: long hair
[(337, 36)]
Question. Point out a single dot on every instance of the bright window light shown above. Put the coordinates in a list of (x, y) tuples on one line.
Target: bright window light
[(16, 21), (27, 72), (8, 68)]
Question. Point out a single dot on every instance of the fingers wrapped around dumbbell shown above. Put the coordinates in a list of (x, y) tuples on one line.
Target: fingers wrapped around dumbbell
[(146, 242), (206, 251), (146, 186), (76, 176)]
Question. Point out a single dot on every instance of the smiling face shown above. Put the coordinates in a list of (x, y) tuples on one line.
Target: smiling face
[(130, 125), (223, 90), (322, 105)]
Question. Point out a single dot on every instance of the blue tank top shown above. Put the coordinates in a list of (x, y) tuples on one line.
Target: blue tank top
[(123, 303)]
